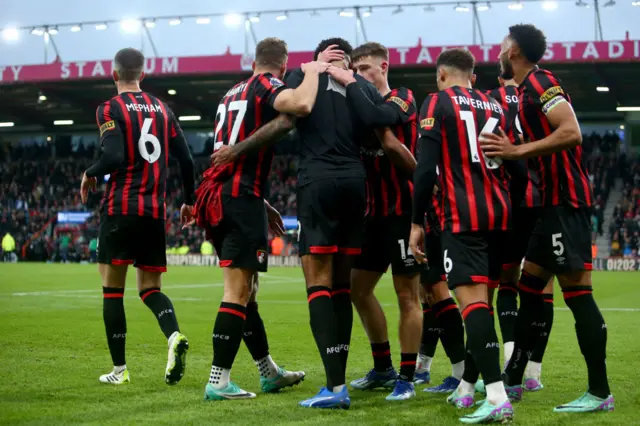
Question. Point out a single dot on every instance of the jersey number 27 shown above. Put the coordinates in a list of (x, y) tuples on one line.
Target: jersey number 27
[(221, 116)]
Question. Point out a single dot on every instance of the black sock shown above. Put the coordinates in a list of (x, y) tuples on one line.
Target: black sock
[(592, 336), (507, 304), (381, 356), (325, 332), (343, 310), (471, 373), (527, 327), (227, 333), (162, 308), (543, 339), (407, 366), (115, 322), (430, 332), (449, 320), (482, 341), (254, 335)]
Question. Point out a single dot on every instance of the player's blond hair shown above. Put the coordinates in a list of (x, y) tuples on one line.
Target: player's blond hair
[(271, 52)]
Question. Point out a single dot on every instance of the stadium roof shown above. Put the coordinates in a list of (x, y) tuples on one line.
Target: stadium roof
[(74, 95)]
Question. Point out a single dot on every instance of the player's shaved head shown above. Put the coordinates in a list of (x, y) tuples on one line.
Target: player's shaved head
[(459, 60), (129, 65), (271, 52), (341, 44), (372, 49), (530, 40)]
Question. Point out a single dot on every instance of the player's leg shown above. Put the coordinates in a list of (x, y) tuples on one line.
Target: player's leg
[(430, 333), (383, 374), (368, 268), (449, 320), (431, 274), (575, 280), (342, 307), (532, 374), (113, 260), (241, 243), (507, 307), (148, 238), (406, 282), (115, 323), (272, 377), (534, 278), (469, 263)]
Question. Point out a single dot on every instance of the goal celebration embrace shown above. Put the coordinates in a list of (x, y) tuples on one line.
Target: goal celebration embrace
[(477, 200)]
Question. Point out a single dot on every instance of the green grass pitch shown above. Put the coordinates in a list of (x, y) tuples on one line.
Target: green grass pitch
[(53, 349)]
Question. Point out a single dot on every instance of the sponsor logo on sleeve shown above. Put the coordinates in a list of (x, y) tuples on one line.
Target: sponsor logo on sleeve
[(427, 123), (546, 108), (276, 82), (550, 94), (109, 125), (398, 101)]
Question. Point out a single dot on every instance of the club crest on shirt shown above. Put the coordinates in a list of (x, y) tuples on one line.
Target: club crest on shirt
[(276, 82), (427, 123), (398, 101), (109, 125), (261, 255)]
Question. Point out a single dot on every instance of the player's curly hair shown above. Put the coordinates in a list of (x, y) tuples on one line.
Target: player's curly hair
[(458, 58), (531, 40), (342, 44)]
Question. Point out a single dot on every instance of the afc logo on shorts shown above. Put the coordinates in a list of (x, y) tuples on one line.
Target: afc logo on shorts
[(261, 256)]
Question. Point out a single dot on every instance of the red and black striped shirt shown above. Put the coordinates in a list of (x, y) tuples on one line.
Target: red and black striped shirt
[(389, 190), (149, 130), (509, 98), (474, 193), (244, 109), (564, 179)]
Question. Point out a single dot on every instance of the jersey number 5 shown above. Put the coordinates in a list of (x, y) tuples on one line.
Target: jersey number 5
[(489, 127), (221, 116), (145, 137)]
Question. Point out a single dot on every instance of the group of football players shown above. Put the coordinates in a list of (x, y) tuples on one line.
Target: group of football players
[(499, 178)]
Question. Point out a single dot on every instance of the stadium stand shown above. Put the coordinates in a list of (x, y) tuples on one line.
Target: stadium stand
[(35, 186)]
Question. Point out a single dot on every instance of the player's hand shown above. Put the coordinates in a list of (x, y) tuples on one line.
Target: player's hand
[(416, 243), (499, 145), (315, 66), (341, 75), (88, 184), (331, 53), (186, 216), (276, 224), (224, 155)]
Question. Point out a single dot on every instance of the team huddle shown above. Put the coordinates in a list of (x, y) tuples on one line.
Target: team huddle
[(475, 192)]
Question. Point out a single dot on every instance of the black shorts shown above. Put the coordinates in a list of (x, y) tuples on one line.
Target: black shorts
[(386, 241), (240, 239), (515, 248), (433, 272), (561, 241), (473, 257), (331, 216), (133, 240)]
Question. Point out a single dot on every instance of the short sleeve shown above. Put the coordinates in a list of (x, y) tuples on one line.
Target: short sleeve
[(405, 103), (268, 87), (107, 120), (430, 124), (545, 90)]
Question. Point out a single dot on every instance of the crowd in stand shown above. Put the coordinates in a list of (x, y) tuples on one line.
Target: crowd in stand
[(34, 187), (625, 224)]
